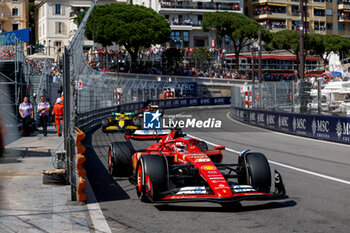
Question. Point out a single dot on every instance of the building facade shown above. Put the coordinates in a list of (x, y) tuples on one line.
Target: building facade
[(323, 16), (185, 19), (14, 15), (55, 25)]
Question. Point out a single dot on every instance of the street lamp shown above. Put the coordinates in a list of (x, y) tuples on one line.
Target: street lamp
[(49, 46)]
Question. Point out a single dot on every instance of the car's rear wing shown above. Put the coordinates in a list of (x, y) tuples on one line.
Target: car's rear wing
[(126, 114), (148, 134)]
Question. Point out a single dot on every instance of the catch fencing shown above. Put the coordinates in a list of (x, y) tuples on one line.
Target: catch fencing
[(294, 97), (293, 108)]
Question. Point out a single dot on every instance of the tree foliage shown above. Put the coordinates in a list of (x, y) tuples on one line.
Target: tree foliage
[(132, 26), (241, 29), (324, 45), (285, 40), (316, 44), (202, 56), (173, 56)]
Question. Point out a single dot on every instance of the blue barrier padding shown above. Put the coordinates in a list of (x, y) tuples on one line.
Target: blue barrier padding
[(331, 128)]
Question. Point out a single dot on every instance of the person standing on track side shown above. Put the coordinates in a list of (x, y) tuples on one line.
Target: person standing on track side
[(43, 110), (58, 112), (26, 112)]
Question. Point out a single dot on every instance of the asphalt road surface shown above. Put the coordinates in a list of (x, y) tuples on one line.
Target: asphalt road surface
[(316, 175)]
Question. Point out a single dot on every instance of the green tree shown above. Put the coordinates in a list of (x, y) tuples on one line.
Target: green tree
[(131, 26), (324, 45), (285, 40), (173, 56), (242, 30), (202, 56)]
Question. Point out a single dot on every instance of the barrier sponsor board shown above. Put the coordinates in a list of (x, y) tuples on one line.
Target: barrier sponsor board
[(332, 128)]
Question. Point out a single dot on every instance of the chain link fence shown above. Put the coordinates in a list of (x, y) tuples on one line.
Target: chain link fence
[(296, 97)]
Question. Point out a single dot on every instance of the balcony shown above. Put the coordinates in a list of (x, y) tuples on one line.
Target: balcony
[(184, 24), (166, 6), (344, 19), (270, 14), (344, 6), (275, 28)]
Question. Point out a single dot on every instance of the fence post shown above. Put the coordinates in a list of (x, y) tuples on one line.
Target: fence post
[(319, 96), (293, 96), (67, 121), (260, 95)]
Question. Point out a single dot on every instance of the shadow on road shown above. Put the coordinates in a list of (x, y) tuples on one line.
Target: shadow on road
[(12, 155), (104, 186), (234, 207)]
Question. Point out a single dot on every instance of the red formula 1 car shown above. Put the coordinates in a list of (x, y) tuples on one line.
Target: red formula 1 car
[(178, 168)]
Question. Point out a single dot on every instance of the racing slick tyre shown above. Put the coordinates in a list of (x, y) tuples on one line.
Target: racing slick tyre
[(105, 124), (119, 159), (151, 177), (138, 122), (256, 172)]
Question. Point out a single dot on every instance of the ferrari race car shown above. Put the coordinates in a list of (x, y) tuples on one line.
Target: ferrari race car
[(178, 168), (119, 122)]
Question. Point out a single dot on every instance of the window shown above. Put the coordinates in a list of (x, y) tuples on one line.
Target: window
[(341, 27), (14, 26), (57, 9), (185, 39), (329, 26), (58, 45), (60, 28), (14, 11), (199, 43)]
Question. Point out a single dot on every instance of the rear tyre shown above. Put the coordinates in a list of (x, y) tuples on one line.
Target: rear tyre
[(105, 124), (255, 171), (151, 177), (138, 122), (119, 159)]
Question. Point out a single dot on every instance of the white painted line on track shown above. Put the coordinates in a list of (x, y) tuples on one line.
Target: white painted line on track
[(98, 219), (285, 134), (283, 165), (311, 173)]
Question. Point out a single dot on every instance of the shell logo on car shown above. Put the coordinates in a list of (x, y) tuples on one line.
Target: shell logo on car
[(208, 167)]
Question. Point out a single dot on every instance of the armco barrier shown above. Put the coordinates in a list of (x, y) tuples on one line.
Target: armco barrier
[(331, 128)]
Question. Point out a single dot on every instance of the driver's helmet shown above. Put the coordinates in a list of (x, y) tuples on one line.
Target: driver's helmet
[(181, 147)]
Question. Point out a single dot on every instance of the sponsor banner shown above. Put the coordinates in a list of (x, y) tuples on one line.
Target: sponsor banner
[(332, 128), (11, 38), (176, 103)]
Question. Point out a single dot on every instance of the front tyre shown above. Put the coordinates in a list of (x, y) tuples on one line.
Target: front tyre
[(151, 177), (255, 171)]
